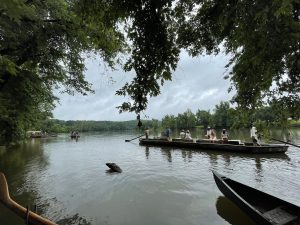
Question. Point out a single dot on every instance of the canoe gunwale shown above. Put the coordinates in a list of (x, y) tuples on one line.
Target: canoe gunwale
[(259, 216), (265, 149), (236, 198)]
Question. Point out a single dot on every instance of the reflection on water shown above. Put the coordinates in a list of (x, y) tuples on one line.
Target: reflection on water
[(166, 152), (214, 155), (70, 184), (147, 152), (231, 213), (75, 219)]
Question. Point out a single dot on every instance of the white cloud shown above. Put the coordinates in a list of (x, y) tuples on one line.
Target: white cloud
[(197, 84)]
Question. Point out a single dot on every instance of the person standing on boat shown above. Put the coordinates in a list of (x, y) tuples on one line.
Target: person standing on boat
[(147, 132), (168, 133), (224, 136), (208, 132), (182, 134), (253, 134)]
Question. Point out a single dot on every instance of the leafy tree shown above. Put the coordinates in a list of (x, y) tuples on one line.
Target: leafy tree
[(265, 113), (43, 45), (186, 120), (169, 121), (154, 54), (203, 118), (41, 48), (223, 116), (261, 35)]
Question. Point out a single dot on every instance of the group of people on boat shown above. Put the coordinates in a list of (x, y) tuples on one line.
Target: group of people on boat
[(212, 136), (185, 135), (74, 134)]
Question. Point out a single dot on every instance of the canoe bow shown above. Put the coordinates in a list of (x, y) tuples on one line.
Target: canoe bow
[(33, 218)]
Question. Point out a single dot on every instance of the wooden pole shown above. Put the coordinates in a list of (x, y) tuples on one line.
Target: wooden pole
[(288, 143), (134, 138)]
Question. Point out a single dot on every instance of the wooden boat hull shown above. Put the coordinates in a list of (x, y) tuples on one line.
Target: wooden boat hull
[(262, 208), (74, 136), (216, 146)]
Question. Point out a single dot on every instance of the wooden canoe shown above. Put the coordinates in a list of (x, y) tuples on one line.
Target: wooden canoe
[(229, 147), (33, 218), (262, 208)]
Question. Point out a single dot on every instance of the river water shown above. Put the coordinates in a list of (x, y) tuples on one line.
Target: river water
[(70, 184)]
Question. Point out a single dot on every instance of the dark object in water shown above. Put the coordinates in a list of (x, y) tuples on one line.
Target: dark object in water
[(262, 208), (231, 212), (114, 167)]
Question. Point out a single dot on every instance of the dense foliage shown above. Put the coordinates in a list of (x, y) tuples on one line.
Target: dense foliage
[(61, 126), (43, 45), (263, 38), (224, 116)]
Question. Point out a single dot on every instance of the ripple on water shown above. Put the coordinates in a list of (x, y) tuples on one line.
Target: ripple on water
[(69, 181)]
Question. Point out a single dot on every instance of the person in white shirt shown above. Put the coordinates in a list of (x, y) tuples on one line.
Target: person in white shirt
[(208, 133), (147, 132), (213, 136), (224, 136), (188, 135), (253, 134), (182, 134)]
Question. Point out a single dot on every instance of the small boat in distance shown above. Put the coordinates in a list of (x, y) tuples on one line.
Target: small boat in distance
[(262, 208), (230, 146), (40, 134), (74, 135)]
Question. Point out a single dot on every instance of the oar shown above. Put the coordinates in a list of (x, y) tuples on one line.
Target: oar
[(33, 218), (134, 138), (274, 139)]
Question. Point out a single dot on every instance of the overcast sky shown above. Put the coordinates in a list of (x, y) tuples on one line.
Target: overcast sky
[(197, 83)]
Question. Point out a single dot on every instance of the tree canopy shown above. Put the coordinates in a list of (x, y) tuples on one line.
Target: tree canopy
[(263, 38), (43, 45)]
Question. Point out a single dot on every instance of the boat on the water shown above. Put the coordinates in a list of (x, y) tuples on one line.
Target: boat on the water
[(230, 146), (74, 136), (262, 208), (29, 216), (40, 134)]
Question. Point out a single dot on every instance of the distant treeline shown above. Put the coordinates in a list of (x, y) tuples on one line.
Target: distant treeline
[(61, 126), (224, 116)]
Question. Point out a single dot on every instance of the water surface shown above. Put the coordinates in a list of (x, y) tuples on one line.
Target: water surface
[(70, 184)]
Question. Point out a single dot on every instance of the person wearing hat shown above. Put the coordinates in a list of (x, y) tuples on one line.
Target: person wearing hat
[(182, 134), (208, 132), (147, 132), (224, 136), (188, 135)]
